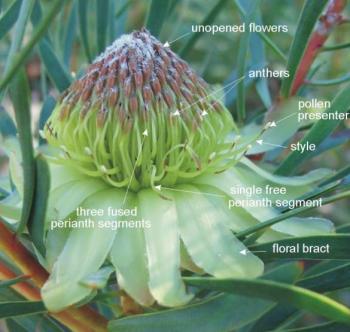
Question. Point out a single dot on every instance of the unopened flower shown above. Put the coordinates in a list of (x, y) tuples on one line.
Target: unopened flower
[(141, 129)]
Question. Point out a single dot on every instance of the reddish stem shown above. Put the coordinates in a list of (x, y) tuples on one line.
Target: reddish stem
[(327, 22), (82, 319)]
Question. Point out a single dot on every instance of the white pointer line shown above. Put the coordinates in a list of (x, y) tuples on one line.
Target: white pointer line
[(145, 134), (188, 191), (287, 117), (182, 36), (234, 83), (261, 142), (246, 251)]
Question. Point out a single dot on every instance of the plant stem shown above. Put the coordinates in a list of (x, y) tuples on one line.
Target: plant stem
[(327, 22), (82, 319)]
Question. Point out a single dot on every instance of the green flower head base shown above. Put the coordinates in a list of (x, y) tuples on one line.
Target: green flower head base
[(138, 119), (138, 87)]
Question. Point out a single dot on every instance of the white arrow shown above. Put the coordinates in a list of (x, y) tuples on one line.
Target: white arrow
[(167, 43), (273, 124), (246, 251), (176, 113), (261, 142), (204, 113), (145, 134), (160, 187)]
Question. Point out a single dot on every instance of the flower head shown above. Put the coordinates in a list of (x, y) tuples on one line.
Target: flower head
[(140, 130), (135, 88)]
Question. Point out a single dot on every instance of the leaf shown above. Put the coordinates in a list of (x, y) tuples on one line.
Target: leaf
[(209, 19), (265, 38), (82, 14), (56, 71), (10, 282), (332, 81), (231, 311), (290, 213), (7, 127), (257, 50), (330, 280), (9, 18), (324, 327), (241, 61), (121, 16), (278, 292), (339, 247), (318, 133), (102, 24), (48, 106), (342, 173), (35, 37), (19, 92), (307, 20), (157, 15), (70, 36), (18, 34), (36, 224), (273, 318), (20, 308)]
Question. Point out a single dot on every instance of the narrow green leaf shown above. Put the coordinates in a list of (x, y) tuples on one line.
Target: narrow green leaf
[(318, 133), (278, 292), (19, 92), (56, 71), (158, 13), (121, 16), (333, 81), (83, 12), (231, 311), (307, 20), (324, 327), (330, 280), (70, 35), (9, 18), (338, 246), (241, 61), (102, 7), (271, 320), (7, 127), (265, 38), (16, 42), (20, 308), (344, 228), (36, 224), (112, 26), (335, 47), (209, 19), (342, 173), (48, 106), (13, 326), (36, 35), (290, 213), (10, 282), (257, 50)]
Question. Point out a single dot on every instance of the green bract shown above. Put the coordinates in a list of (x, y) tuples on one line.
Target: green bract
[(138, 121)]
